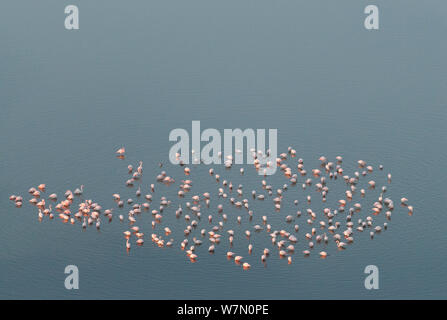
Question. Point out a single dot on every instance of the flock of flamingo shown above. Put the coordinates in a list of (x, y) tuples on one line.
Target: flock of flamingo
[(324, 226)]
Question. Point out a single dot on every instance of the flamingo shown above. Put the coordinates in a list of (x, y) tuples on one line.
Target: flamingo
[(79, 191)]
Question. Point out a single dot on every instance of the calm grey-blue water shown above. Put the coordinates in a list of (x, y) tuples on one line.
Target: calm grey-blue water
[(136, 70)]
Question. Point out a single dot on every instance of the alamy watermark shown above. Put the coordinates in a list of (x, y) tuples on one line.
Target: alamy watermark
[(211, 153), (372, 20), (72, 280), (372, 280), (71, 21)]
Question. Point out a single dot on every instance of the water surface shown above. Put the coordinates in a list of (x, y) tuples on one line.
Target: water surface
[(134, 71)]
